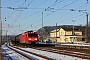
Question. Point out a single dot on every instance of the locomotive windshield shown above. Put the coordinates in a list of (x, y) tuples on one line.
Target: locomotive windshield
[(32, 35)]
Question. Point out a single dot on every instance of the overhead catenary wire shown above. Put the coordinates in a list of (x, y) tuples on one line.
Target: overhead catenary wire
[(12, 14), (22, 11), (35, 12), (35, 7), (57, 10), (19, 17), (10, 10), (15, 20), (32, 9), (69, 19), (50, 6), (74, 17), (43, 8)]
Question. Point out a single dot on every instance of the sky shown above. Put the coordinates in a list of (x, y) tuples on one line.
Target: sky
[(18, 16)]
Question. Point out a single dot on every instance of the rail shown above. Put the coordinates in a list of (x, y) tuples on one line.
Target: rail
[(27, 56)]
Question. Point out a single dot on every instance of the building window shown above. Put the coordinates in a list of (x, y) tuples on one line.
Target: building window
[(61, 33), (76, 33), (83, 39)]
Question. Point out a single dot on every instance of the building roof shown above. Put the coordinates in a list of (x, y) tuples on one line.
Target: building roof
[(71, 29), (55, 30)]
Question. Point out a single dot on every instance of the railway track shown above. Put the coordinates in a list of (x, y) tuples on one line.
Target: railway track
[(54, 50), (28, 55), (65, 52)]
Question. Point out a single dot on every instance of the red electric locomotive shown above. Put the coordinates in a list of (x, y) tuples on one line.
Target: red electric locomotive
[(29, 37)]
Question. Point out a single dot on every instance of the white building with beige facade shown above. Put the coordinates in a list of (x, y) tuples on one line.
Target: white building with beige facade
[(65, 35)]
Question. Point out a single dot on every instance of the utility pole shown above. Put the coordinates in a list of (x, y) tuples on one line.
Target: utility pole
[(42, 26), (0, 24), (86, 35), (73, 29), (1, 57), (56, 32), (6, 36), (87, 27), (42, 19)]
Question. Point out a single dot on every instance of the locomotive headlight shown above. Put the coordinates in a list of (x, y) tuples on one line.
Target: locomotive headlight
[(35, 38), (29, 38)]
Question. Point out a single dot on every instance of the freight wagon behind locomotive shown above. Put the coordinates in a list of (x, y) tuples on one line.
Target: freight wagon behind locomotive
[(28, 37)]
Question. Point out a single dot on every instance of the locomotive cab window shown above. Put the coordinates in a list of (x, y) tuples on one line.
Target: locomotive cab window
[(32, 34)]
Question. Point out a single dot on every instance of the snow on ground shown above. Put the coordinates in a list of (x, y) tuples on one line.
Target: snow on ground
[(53, 55), (30, 55), (11, 55), (77, 44), (15, 56)]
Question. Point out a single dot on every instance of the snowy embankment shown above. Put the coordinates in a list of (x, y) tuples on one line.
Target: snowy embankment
[(14, 56)]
